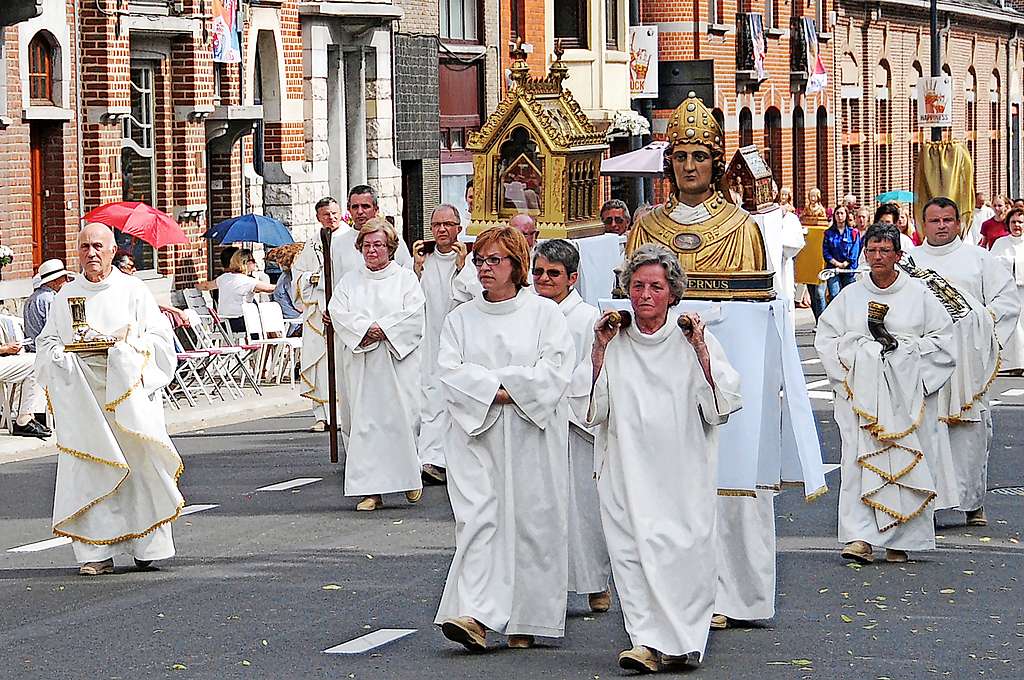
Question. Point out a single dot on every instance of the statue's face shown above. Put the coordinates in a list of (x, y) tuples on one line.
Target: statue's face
[(693, 167)]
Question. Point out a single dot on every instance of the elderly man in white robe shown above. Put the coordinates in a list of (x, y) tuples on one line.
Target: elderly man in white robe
[(117, 469), (555, 272), (1009, 250), (378, 314), (974, 271), (661, 386), (885, 345), (310, 290), (506, 362), (438, 263)]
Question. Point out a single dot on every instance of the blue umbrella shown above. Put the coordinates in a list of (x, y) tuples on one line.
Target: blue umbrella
[(251, 228), (895, 197)]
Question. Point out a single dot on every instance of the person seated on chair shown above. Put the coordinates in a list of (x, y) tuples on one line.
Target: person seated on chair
[(237, 286), (17, 367)]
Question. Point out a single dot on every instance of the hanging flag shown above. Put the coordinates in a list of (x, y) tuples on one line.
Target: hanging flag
[(224, 35), (817, 79)]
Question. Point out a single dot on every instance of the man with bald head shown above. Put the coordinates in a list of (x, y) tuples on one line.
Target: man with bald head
[(103, 371)]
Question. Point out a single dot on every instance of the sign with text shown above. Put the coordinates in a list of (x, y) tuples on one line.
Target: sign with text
[(643, 62), (935, 101)]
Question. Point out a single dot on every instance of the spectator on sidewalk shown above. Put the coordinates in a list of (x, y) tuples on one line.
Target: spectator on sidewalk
[(17, 367), (237, 286), (995, 228), (52, 275), (840, 249)]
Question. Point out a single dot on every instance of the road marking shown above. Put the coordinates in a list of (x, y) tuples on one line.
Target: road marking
[(64, 540), (826, 396), (291, 484), (829, 467), (1015, 392), (808, 362), (190, 509), (370, 641), (817, 383), (42, 545), (995, 402)]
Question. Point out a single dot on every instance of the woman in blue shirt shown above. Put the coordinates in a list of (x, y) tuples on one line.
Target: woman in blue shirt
[(840, 249)]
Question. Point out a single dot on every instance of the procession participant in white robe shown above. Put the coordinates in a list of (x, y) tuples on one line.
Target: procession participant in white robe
[(555, 271), (975, 271), (117, 470), (437, 263), (658, 394), (310, 290), (746, 526), (378, 316), (885, 347), (982, 214), (1009, 250), (506, 361), (362, 207)]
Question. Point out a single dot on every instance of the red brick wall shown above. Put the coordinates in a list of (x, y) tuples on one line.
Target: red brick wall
[(15, 197), (536, 35)]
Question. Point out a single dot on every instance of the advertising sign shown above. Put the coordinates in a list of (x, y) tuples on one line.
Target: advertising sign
[(935, 101), (643, 62)]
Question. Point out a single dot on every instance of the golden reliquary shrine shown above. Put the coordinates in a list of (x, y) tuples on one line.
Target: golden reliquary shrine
[(538, 154)]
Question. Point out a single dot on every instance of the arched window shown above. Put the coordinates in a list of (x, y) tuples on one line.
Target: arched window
[(773, 140), (995, 137), (915, 127), (746, 127), (719, 118), (40, 69), (971, 101), (883, 127), (851, 135), (821, 153)]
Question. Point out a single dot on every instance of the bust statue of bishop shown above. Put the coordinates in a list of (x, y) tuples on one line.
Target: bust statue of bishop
[(718, 244)]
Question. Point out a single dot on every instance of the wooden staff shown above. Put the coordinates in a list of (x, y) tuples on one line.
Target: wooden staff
[(332, 388)]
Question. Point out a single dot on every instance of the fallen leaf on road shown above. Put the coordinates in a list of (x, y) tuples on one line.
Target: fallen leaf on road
[(179, 667), (969, 572), (985, 539), (264, 643), (246, 663), (947, 591), (822, 590), (331, 586), (369, 557), (397, 521), (801, 662), (846, 619)]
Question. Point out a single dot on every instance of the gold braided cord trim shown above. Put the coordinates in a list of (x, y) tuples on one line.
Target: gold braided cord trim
[(900, 518), (891, 478), (124, 537), (112, 406), (312, 389), (88, 506), (769, 487), (816, 494), (738, 493), (89, 457), (954, 420), (153, 440), (49, 404), (878, 432)]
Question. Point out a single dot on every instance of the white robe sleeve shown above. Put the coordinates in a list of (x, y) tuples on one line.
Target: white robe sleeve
[(537, 389), (469, 387), (466, 285), (349, 322), (151, 340), (599, 407), (1000, 296), (836, 346), (404, 328)]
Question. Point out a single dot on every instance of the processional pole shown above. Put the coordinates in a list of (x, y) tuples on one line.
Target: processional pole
[(332, 388)]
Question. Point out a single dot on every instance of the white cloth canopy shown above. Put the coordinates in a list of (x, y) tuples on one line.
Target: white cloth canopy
[(589, 567), (117, 470), (656, 450), (507, 466), (647, 161), (380, 409), (886, 409)]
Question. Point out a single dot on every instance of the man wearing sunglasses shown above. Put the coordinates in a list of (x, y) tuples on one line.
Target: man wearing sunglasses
[(616, 218), (555, 271)]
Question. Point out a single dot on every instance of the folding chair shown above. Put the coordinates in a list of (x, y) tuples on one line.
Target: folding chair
[(233, 357), (275, 329)]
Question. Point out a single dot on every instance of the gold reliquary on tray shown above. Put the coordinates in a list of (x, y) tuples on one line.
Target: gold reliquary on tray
[(84, 338)]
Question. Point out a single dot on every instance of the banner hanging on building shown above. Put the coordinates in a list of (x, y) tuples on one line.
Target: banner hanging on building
[(757, 46), (817, 77), (935, 101), (224, 35), (643, 62)]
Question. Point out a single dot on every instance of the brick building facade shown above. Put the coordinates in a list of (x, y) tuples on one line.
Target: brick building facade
[(880, 51), (706, 47), (112, 100)]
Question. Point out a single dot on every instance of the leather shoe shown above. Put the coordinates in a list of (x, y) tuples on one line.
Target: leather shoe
[(370, 503), (719, 622), (143, 565), (30, 429), (97, 568), (858, 551), (600, 602), (976, 518), (414, 495), (467, 631), (640, 658), (433, 474), (898, 556), (520, 641)]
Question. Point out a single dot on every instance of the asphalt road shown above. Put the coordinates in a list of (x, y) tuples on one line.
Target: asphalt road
[(267, 580)]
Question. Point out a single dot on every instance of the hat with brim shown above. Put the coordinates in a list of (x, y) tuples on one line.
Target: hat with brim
[(51, 270)]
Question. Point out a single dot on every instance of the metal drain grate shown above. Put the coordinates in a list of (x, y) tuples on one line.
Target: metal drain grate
[(1010, 491)]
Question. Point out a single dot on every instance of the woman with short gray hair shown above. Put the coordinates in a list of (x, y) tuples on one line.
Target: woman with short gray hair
[(660, 388)]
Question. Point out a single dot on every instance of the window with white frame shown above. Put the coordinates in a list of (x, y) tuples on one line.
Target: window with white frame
[(460, 20), (138, 155)]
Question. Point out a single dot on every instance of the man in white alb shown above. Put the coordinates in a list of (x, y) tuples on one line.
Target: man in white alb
[(439, 264), (117, 469), (975, 271)]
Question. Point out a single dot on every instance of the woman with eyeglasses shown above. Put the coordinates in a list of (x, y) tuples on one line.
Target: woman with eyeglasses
[(378, 315), (236, 287), (506, 359)]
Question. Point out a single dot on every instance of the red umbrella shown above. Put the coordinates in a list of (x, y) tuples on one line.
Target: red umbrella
[(140, 221)]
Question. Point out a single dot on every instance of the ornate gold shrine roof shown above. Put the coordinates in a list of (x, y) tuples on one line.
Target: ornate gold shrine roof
[(552, 110)]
